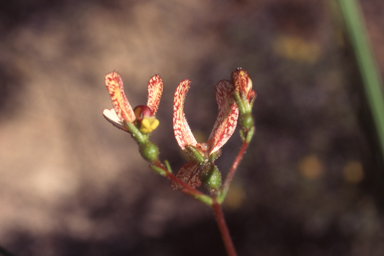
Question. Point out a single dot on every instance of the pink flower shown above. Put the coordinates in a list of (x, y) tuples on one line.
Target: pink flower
[(144, 115), (223, 129)]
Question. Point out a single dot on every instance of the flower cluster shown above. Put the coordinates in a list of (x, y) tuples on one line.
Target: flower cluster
[(203, 154), (233, 97), (235, 101)]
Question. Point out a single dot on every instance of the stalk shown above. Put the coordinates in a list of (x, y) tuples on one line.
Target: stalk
[(223, 228)]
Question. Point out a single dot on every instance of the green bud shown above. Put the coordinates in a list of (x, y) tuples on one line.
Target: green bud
[(211, 178), (149, 151), (246, 121)]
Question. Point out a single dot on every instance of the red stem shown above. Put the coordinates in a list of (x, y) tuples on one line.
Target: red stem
[(232, 171), (187, 189), (223, 228)]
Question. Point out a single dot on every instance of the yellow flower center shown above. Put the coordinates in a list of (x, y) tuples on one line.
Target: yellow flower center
[(148, 124)]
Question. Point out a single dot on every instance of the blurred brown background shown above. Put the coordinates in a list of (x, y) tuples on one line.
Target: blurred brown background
[(72, 184)]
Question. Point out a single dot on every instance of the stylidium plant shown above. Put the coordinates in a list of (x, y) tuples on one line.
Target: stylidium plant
[(235, 101)]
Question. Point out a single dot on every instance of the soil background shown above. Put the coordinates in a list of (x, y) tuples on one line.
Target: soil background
[(311, 182)]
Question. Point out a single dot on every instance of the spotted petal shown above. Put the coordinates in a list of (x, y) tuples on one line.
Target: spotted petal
[(115, 87), (243, 83), (183, 133), (155, 89), (226, 120), (189, 173)]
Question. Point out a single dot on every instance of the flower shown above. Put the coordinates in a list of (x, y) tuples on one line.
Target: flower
[(243, 84), (223, 129), (244, 97), (144, 115)]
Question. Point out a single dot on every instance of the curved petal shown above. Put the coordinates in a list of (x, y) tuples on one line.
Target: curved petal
[(155, 89), (115, 87), (189, 173), (181, 128), (226, 120), (111, 117)]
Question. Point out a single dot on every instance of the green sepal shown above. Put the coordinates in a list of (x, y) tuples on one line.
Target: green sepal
[(239, 102), (246, 121), (168, 166), (196, 154), (242, 135), (149, 151), (250, 134), (158, 170), (214, 156), (245, 102), (211, 178)]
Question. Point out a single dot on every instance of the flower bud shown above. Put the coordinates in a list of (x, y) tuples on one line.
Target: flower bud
[(244, 95), (142, 111), (149, 151), (211, 178)]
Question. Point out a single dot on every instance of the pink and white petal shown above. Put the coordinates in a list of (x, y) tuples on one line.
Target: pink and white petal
[(242, 82), (189, 173), (115, 87), (183, 133), (155, 89), (111, 116), (226, 120)]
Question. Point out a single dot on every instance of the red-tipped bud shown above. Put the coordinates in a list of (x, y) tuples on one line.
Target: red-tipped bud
[(243, 83), (146, 121), (142, 111)]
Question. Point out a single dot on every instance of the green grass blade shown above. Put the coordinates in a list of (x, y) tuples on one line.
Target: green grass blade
[(355, 26)]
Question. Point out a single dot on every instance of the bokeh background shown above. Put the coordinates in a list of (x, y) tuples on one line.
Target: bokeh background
[(311, 182)]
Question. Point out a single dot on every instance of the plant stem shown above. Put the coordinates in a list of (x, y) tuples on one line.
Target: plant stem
[(223, 228), (227, 183), (187, 189)]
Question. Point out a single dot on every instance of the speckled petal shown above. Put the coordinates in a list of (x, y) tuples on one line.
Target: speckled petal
[(115, 87), (242, 82), (226, 120), (155, 89), (181, 128), (189, 173)]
